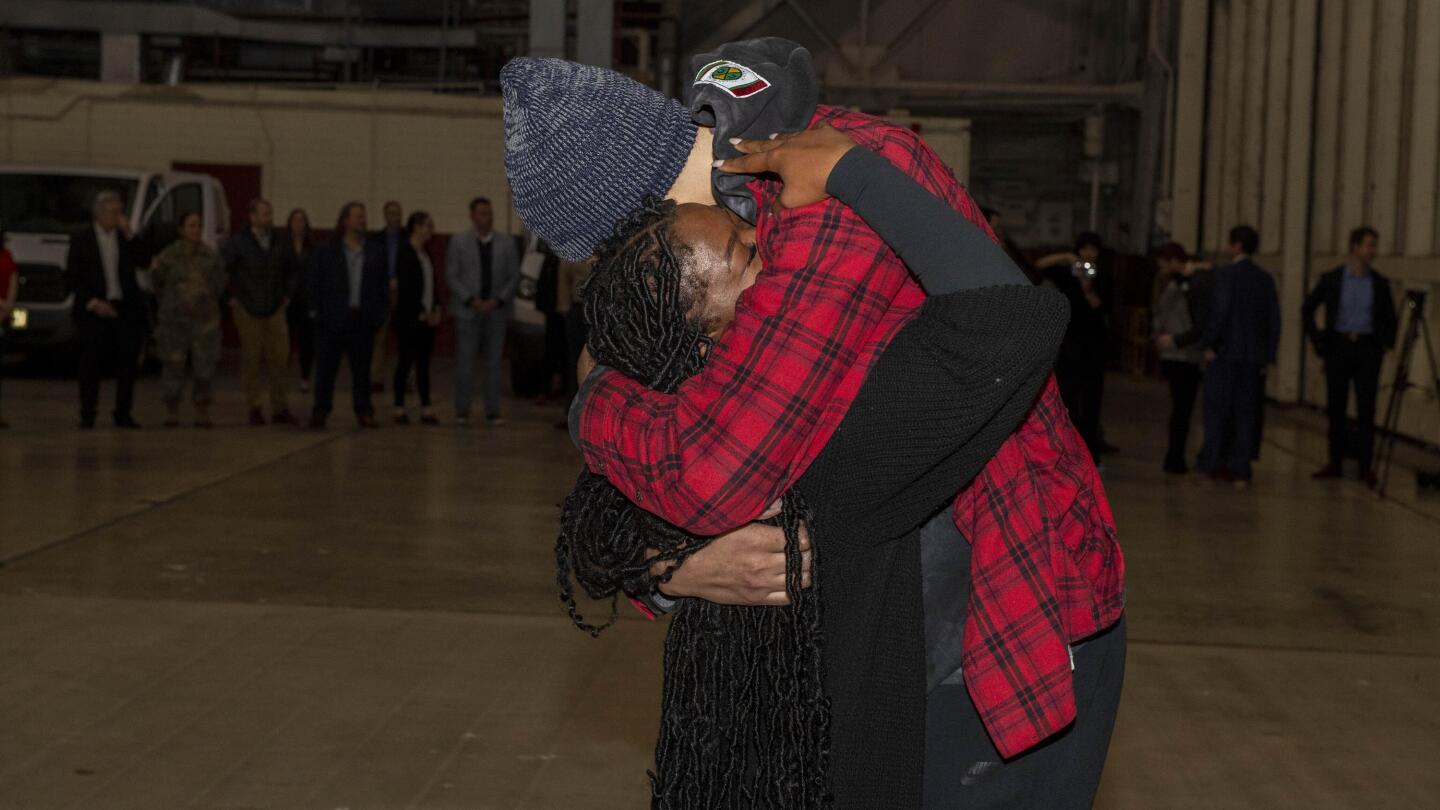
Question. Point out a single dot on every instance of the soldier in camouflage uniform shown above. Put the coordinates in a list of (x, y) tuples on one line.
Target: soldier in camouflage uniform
[(189, 280)]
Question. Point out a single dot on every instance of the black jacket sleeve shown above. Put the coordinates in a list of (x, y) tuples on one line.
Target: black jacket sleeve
[(945, 251), (942, 398), (79, 271), (408, 282), (954, 383), (1313, 300)]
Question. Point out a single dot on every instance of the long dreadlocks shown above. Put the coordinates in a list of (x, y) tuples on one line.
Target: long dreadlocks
[(744, 721)]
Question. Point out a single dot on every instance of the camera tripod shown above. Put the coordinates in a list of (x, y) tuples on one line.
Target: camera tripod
[(1417, 330)]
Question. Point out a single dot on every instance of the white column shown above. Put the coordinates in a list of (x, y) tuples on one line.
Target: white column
[(1327, 126), (595, 32), (1220, 66), (1387, 94), (1277, 113), (1355, 111), (547, 28), (1190, 122), (1237, 76), (1256, 87), (1300, 135), (1424, 123)]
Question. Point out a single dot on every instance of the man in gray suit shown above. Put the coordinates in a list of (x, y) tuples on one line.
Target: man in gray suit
[(482, 270)]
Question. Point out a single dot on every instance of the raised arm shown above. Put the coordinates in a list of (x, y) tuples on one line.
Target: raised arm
[(945, 251), (956, 381), (715, 454)]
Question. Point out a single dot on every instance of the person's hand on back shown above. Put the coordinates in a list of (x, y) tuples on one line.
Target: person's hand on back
[(803, 160), (743, 567)]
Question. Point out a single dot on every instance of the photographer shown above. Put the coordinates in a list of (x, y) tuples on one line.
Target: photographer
[(1080, 367)]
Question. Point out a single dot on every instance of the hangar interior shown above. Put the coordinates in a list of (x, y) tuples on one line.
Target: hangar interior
[(244, 618)]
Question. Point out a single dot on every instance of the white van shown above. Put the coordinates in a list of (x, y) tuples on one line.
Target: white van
[(40, 206)]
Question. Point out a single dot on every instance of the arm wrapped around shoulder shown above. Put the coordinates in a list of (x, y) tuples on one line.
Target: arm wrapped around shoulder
[(942, 398)]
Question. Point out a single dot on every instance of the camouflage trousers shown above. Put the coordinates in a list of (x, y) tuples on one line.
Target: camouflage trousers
[(183, 342)]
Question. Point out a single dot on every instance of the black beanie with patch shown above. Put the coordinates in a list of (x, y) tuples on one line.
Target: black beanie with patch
[(750, 89)]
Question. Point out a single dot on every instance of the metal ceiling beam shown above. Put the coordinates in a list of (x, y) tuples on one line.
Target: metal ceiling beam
[(739, 23), (916, 24), (1123, 92), (820, 33)]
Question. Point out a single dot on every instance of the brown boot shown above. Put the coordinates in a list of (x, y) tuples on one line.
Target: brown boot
[(202, 415)]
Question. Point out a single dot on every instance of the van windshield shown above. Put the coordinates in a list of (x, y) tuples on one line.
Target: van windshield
[(55, 203)]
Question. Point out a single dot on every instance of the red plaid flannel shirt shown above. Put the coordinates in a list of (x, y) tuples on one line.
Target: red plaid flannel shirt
[(1046, 568)]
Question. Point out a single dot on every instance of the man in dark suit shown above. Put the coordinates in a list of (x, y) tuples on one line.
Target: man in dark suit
[(1241, 337), (109, 307), (1360, 326), (349, 302)]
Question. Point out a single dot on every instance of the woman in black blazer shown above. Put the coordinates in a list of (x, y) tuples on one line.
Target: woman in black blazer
[(417, 313)]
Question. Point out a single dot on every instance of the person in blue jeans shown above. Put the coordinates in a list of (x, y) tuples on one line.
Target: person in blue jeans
[(1240, 340), (482, 269)]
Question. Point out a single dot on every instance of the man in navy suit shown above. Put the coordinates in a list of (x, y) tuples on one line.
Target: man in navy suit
[(349, 302), (1240, 342), (1360, 326)]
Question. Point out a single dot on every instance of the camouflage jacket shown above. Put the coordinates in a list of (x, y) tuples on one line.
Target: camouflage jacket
[(189, 280)]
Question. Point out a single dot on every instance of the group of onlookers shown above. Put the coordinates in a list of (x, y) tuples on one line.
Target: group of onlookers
[(333, 300), (1220, 328)]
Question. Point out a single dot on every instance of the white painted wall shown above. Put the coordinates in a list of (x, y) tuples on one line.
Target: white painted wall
[(317, 149)]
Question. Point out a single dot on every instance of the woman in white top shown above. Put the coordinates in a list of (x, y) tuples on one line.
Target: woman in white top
[(416, 316)]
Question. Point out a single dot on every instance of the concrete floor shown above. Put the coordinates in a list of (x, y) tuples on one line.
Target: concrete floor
[(266, 618)]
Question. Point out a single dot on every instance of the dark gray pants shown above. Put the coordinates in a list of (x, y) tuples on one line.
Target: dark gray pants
[(963, 769), (1356, 363)]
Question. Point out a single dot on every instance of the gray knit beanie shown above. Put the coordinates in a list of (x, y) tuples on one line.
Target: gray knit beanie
[(583, 147)]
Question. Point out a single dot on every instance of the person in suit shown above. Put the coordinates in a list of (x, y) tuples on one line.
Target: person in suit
[(392, 237), (349, 300), (482, 272), (109, 309), (261, 282), (1241, 336), (417, 313), (299, 251), (1360, 326)]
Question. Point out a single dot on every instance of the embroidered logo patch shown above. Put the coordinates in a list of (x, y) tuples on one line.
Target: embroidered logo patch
[(732, 77)]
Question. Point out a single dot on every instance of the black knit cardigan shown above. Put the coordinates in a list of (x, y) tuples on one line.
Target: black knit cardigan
[(942, 398)]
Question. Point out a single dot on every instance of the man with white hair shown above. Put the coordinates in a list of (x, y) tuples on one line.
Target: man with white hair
[(109, 310)]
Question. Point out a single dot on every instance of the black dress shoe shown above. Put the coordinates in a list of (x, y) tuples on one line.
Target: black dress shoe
[(1327, 472), (127, 423)]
